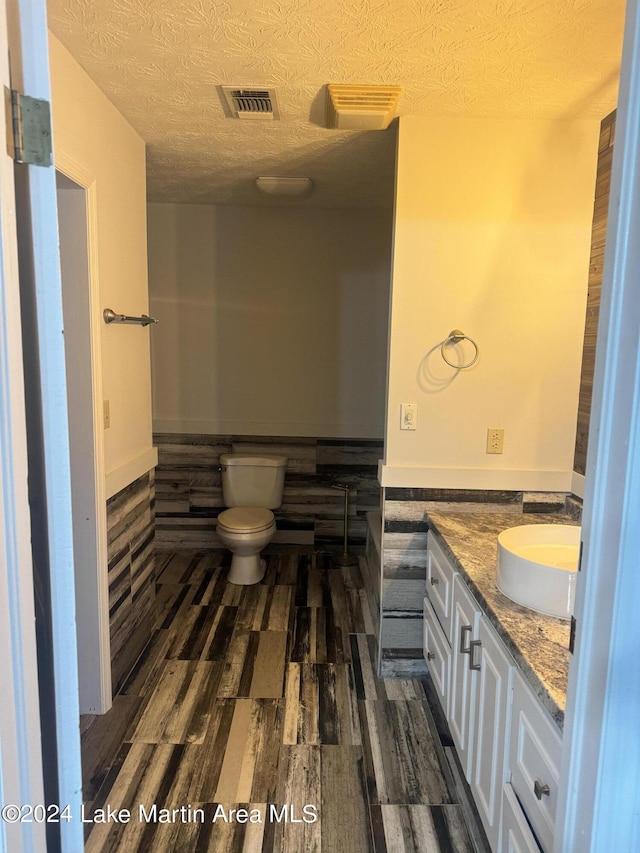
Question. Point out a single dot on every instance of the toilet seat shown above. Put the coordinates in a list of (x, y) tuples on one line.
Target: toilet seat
[(246, 519)]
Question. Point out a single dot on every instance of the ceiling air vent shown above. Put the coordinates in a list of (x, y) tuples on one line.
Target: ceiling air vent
[(251, 102), (352, 107)]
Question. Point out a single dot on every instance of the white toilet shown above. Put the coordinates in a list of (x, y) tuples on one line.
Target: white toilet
[(251, 486)]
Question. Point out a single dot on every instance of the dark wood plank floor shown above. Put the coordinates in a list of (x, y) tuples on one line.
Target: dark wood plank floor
[(261, 698)]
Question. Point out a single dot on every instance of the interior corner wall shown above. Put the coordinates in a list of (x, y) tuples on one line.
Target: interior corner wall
[(492, 234), (273, 321), (91, 138)]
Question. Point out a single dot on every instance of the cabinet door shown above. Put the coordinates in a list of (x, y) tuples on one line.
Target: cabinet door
[(495, 685), (516, 835), (440, 574), (466, 620), (437, 655), (534, 761)]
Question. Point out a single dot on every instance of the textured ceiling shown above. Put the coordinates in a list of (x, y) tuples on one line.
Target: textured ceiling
[(160, 62)]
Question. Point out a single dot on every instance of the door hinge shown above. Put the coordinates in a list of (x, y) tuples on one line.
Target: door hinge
[(28, 129), (572, 634)]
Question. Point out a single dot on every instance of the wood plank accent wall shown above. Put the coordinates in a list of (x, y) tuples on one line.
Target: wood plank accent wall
[(598, 238), (131, 573), (189, 491), (404, 560)]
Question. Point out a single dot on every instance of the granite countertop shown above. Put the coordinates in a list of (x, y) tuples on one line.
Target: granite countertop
[(539, 644)]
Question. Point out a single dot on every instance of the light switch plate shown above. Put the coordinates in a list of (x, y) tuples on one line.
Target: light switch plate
[(408, 416)]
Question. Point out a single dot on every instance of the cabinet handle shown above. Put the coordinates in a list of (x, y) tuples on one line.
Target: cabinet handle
[(434, 581), (472, 646), (431, 656), (540, 789), (464, 629)]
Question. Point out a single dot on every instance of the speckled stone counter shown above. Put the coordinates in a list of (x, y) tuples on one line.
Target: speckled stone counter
[(539, 644)]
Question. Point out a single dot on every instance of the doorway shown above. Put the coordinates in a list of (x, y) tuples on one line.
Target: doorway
[(86, 423)]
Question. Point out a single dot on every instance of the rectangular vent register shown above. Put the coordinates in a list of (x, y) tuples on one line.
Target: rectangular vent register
[(251, 102)]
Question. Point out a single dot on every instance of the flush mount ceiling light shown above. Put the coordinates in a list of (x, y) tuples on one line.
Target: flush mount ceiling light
[(351, 107), (284, 186)]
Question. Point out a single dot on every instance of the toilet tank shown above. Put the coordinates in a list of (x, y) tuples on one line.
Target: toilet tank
[(252, 480)]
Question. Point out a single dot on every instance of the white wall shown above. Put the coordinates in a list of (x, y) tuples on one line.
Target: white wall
[(492, 235), (273, 321), (95, 146)]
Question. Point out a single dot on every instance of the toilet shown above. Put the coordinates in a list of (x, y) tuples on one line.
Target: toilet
[(251, 487)]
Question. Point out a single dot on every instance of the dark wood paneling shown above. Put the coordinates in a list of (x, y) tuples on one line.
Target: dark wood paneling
[(189, 492), (131, 573), (598, 237)]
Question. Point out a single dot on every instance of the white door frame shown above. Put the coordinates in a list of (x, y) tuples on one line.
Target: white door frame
[(599, 808), (38, 238), (92, 587), (21, 777)]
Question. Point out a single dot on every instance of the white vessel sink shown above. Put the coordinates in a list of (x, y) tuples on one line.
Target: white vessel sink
[(537, 566)]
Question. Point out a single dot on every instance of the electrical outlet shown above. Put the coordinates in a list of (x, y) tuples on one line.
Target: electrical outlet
[(408, 416), (495, 440), (106, 414)]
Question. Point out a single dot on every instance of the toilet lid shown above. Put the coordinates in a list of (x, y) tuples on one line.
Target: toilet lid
[(246, 519)]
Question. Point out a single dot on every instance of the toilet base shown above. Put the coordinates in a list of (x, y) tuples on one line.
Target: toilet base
[(246, 570)]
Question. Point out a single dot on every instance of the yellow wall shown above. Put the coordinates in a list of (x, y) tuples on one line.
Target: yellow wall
[(492, 233), (92, 140)]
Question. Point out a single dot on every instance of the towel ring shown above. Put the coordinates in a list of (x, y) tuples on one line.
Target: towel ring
[(456, 336)]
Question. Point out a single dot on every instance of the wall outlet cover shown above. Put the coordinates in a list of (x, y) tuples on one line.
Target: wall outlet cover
[(495, 440)]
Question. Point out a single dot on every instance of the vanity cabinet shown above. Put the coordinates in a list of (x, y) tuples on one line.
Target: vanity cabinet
[(478, 671), (507, 743), (506, 739)]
